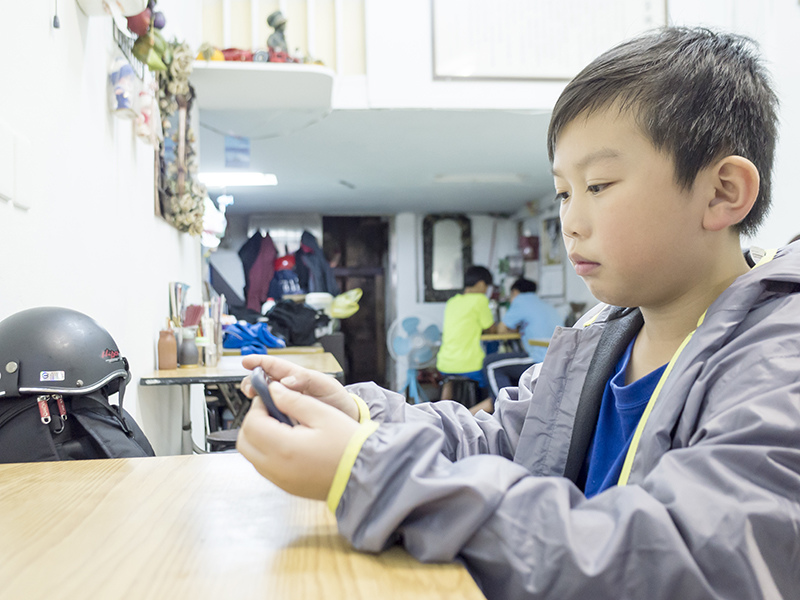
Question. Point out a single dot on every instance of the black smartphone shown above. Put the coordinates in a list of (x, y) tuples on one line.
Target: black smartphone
[(259, 381)]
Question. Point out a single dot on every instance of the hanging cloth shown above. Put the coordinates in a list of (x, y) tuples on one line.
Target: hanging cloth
[(260, 271), (248, 253), (313, 270)]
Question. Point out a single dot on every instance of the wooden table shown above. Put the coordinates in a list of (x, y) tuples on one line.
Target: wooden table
[(193, 527), (511, 339), (287, 350), (229, 370)]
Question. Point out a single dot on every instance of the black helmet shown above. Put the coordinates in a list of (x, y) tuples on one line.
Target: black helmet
[(51, 350)]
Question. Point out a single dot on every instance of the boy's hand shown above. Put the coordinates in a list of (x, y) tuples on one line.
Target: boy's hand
[(302, 459), (312, 383)]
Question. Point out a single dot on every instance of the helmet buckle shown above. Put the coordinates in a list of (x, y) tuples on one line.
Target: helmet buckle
[(44, 409)]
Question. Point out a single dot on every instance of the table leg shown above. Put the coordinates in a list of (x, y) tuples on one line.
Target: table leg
[(187, 443), (186, 432)]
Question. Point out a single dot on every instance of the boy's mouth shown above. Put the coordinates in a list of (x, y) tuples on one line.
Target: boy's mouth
[(583, 266)]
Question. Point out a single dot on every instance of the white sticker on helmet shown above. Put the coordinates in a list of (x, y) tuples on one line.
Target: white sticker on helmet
[(51, 376)]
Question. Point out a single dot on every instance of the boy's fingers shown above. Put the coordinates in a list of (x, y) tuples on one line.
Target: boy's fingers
[(275, 367), (291, 375), (291, 382), (311, 383), (305, 409), (259, 427), (300, 381), (253, 360), (246, 388), (257, 406)]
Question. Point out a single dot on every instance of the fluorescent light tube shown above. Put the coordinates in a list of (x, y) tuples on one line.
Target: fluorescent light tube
[(479, 178), (237, 179)]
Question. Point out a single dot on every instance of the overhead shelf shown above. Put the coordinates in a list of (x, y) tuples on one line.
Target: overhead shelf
[(260, 100), (237, 85)]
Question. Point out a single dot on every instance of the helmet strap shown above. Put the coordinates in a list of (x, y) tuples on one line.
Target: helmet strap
[(9, 379), (121, 396)]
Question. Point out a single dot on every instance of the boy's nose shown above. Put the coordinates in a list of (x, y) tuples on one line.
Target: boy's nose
[(573, 219)]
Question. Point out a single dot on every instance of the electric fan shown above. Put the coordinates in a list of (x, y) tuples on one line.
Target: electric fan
[(407, 339)]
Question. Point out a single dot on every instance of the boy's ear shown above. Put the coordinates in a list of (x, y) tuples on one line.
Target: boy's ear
[(735, 181)]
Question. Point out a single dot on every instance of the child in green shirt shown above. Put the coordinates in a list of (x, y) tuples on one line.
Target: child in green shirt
[(466, 317)]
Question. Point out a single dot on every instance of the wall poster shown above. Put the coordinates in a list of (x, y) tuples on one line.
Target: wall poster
[(532, 39)]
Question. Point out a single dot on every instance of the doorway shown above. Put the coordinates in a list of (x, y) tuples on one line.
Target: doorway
[(357, 248)]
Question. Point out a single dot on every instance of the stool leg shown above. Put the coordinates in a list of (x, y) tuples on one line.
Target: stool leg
[(447, 390)]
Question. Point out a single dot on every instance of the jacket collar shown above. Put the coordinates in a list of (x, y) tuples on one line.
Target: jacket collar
[(621, 327)]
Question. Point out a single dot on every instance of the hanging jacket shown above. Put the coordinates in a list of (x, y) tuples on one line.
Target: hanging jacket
[(313, 270), (708, 504), (258, 269), (248, 254)]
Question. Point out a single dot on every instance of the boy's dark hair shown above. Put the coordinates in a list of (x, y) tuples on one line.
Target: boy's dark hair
[(698, 95), (524, 286), (474, 274)]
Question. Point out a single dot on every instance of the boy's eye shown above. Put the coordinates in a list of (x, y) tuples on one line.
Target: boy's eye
[(561, 197), (597, 188)]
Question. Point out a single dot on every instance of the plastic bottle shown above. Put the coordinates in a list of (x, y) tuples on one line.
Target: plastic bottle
[(188, 355), (203, 346), (167, 350)]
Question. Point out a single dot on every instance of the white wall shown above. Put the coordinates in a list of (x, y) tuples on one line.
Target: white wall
[(405, 248), (90, 240)]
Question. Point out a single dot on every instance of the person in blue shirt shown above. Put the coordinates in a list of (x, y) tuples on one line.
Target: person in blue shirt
[(536, 320)]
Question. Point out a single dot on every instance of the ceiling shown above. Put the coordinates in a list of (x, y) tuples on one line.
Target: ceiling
[(379, 162)]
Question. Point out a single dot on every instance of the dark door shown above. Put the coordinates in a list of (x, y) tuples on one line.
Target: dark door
[(357, 248)]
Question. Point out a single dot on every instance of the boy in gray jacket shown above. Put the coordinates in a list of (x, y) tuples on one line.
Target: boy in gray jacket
[(656, 451)]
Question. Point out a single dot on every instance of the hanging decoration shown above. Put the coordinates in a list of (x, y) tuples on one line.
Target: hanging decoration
[(121, 87), (161, 110), (150, 47), (148, 121), (182, 197)]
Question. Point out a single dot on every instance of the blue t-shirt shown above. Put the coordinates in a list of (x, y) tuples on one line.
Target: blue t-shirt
[(535, 319), (620, 411)]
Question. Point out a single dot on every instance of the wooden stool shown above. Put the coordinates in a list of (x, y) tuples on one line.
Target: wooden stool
[(224, 439), (461, 389)]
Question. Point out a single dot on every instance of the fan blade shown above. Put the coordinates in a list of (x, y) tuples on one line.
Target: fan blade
[(401, 345), (410, 324), (432, 333), (421, 356)]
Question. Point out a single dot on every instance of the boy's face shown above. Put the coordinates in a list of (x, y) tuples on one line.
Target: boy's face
[(629, 229)]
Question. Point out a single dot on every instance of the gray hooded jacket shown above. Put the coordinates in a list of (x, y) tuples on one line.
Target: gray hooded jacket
[(711, 506)]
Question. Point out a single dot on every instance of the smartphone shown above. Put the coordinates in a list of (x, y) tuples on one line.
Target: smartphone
[(258, 379)]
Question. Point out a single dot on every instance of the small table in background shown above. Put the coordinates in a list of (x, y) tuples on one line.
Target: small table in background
[(510, 340), (275, 351)]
